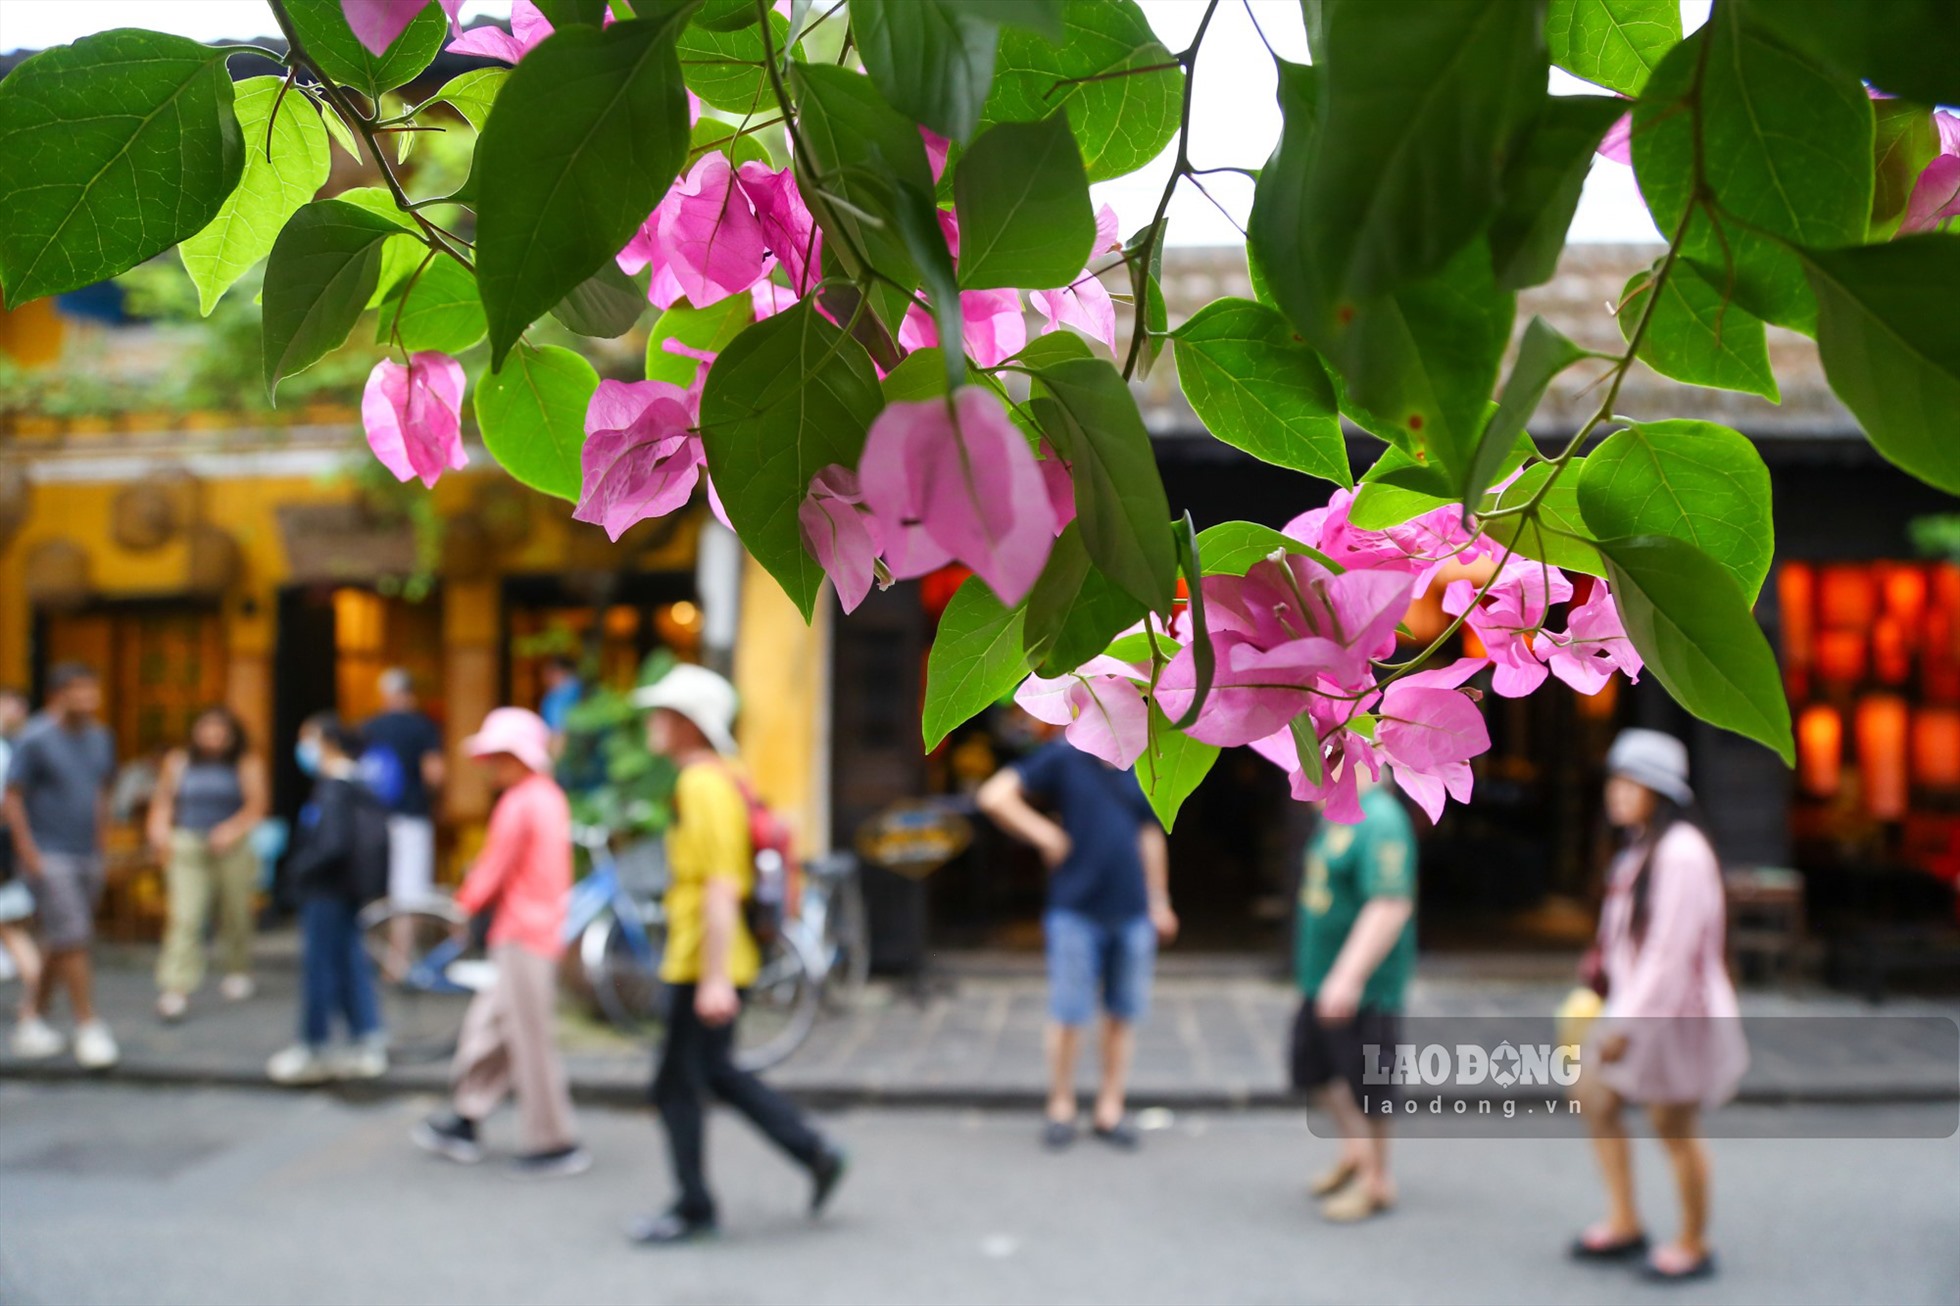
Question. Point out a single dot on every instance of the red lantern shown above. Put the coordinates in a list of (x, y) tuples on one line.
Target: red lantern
[(1820, 750), (1881, 728)]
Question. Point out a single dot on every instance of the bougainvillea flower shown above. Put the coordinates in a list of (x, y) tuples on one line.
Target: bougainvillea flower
[(641, 457), (413, 416), (1419, 547), (937, 148), (1058, 476), (1511, 612), (1593, 645), (788, 230), (1935, 196), (1294, 597), (377, 23), (1084, 303), (956, 478), (645, 250), (1101, 706), (1255, 690), (711, 237), (993, 327), (528, 28), (1617, 144), (1428, 730), (840, 533)]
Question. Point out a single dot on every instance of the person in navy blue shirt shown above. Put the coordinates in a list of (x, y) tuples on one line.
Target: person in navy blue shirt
[(1108, 908)]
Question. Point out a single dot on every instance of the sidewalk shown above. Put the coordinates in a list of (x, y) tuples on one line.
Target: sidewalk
[(972, 1036)]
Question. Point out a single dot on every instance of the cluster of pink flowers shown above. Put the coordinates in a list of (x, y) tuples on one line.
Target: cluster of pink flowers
[(722, 230), (940, 480), (1299, 649)]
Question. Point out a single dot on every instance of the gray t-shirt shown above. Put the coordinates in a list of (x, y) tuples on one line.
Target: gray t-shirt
[(60, 773)]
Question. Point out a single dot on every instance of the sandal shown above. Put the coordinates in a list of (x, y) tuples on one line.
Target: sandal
[(1353, 1204), (1334, 1180), (1671, 1265), (1598, 1244)]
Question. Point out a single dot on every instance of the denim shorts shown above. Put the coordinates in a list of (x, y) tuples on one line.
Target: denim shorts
[(1087, 958)]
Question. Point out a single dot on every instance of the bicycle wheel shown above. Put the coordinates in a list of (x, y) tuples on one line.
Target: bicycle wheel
[(622, 968), (847, 943), (415, 956), (781, 1007)]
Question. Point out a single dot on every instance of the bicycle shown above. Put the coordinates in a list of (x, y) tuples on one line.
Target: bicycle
[(426, 972), (833, 923)]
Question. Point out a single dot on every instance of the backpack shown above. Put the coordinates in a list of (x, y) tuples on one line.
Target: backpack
[(380, 770), (773, 850)]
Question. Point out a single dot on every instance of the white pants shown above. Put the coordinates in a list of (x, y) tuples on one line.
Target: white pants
[(411, 859)]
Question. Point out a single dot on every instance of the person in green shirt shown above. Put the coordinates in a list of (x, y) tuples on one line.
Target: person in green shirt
[(1354, 952)]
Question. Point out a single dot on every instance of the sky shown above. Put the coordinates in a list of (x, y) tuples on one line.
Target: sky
[(1234, 118)]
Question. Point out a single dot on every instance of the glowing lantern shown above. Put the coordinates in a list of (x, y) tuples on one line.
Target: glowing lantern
[(1841, 656), (1820, 750), (1891, 650), (1881, 728), (1905, 594), (1846, 598), (1936, 747), (1796, 595)]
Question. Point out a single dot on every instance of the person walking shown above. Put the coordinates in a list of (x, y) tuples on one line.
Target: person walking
[(1669, 1036), (509, 1038), (210, 796), (1354, 951), (338, 863), (710, 957), (1108, 908), (562, 691), (404, 764), (57, 802), (19, 958)]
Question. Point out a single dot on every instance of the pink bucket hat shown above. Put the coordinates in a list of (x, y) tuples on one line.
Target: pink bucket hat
[(515, 730)]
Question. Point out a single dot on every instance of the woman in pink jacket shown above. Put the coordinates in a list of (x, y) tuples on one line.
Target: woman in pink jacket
[(509, 1038), (1669, 1037)]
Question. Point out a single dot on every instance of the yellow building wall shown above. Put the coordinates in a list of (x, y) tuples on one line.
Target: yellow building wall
[(782, 673)]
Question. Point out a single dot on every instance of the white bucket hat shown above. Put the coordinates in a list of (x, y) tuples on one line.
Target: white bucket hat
[(1658, 761), (698, 694)]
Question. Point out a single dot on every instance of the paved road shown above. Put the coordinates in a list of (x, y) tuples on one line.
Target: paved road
[(112, 1193)]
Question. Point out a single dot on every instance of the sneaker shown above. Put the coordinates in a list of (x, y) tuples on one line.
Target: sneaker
[(825, 1175), (367, 1059), (1122, 1135), (448, 1135), (237, 988), (95, 1046), (668, 1229), (36, 1040), (171, 1007), (1057, 1135), (560, 1163), (299, 1065)]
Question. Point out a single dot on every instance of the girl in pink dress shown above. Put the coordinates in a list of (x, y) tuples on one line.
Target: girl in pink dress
[(1670, 1037)]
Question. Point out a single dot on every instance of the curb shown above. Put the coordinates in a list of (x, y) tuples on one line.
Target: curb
[(838, 1096)]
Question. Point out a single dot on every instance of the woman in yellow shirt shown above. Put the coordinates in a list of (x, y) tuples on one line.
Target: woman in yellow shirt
[(710, 957)]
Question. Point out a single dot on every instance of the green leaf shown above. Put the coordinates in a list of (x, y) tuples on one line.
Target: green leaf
[(726, 68), (1905, 143), (925, 242), (1046, 17), (563, 13), (975, 658), (858, 144), (789, 397), (1616, 43), (712, 132), (922, 375), (1023, 203), (1558, 535), (532, 415), (1695, 481), (1073, 611), (1421, 103), (1230, 548), (342, 134), (606, 305), (1907, 47), (324, 36), (932, 59), (1171, 766), (710, 330), (1890, 342), (270, 188), (318, 280), (1542, 355), (1397, 488), (112, 150), (1147, 288), (1089, 415), (1692, 626), (1543, 184), (1694, 337), (1257, 386), (585, 138), (1204, 657), (1121, 121), (725, 15), (441, 310), (1786, 151), (473, 94)]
